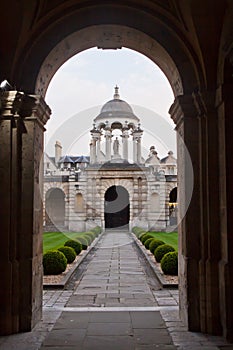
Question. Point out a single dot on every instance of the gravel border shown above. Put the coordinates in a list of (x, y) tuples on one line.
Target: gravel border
[(158, 274), (68, 275)]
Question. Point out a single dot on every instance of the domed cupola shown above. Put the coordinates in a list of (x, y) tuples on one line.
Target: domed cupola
[(116, 112)]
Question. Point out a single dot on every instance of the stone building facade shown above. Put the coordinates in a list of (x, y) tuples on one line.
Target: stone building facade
[(114, 186)]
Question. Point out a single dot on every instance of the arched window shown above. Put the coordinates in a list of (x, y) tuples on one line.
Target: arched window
[(79, 203)]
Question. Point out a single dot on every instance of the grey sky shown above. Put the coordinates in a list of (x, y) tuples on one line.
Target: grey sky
[(85, 82)]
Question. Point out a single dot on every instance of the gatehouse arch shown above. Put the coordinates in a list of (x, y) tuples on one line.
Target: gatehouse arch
[(116, 207)]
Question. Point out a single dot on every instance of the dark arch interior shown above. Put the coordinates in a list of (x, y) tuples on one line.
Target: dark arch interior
[(116, 207), (173, 195), (55, 207)]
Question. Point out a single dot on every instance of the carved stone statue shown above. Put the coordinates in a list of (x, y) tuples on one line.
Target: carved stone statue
[(116, 146)]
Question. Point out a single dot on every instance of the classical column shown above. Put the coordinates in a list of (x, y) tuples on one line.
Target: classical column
[(95, 145), (137, 155), (98, 149), (21, 170), (108, 141), (125, 137), (139, 151), (92, 151)]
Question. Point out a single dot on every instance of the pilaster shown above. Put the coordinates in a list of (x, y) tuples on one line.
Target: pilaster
[(21, 169)]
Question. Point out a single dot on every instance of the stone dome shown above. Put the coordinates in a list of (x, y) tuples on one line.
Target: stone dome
[(116, 112)]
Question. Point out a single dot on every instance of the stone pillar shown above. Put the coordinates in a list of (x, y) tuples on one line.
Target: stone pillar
[(93, 151), (21, 170), (185, 117), (135, 156), (199, 242), (95, 145), (137, 134), (225, 108), (139, 151), (125, 136), (108, 141), (98, 149)]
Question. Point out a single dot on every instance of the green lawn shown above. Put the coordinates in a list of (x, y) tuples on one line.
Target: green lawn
[(167, 237), (54, 240)]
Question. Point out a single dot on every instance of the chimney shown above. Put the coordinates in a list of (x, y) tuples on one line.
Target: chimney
[(58, 151)]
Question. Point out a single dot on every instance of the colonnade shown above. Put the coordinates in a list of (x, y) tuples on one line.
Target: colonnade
[(95, 148)]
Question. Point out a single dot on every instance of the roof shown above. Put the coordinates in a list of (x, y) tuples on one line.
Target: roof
[(116, 109)]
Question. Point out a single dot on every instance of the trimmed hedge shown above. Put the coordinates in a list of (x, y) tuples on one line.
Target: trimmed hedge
[(77, 246), (138, 231), (88, 238), (69, 253), (161, 250), (54, 262), (144, 237), (97, 230), (90, 234), (154, 244), (147, 242), (169, 264), (83, 241)]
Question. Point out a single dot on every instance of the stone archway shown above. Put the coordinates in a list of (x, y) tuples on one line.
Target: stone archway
[(116, 207), (195, 51)]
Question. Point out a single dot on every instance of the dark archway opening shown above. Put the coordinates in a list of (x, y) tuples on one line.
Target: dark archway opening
[(173, 206), (116, 207), (55, 207)]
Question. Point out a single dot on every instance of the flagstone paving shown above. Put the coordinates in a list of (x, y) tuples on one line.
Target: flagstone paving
[(115, 276), (113, 302)]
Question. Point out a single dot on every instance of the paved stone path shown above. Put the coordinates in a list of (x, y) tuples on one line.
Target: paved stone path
[(115, 304), (115, 276)]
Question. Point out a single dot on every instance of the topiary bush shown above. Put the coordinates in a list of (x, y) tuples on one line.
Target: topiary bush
[(161, 250), (90, 234), (138, 231), (54, 262), (154, 244), (144, 237), (97, 230), (147, 242), (69, 253), (88, 238), (83, 241), (169, 264), (74, 244)]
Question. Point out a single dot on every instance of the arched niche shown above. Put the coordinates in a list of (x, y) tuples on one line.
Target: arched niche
[(155, 202), (79, 203), (55, 207)]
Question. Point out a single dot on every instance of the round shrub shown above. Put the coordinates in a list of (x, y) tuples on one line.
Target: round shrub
[(138, 231), (90, 234), (161, 250), (69, 253), (88, 238), (154, 244), (83, 241), (145, 237), (97, 230), (147, 242), (169, 264), (77, 246), (54, 262)]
